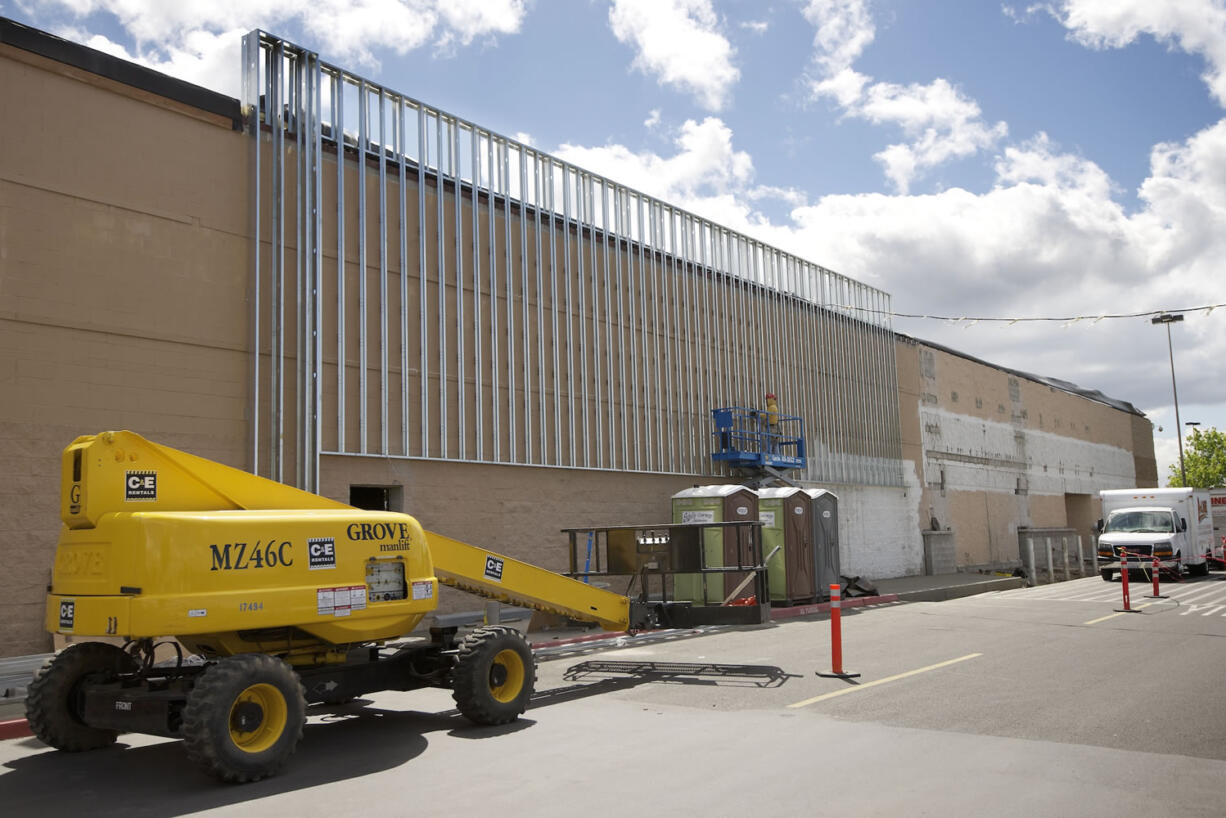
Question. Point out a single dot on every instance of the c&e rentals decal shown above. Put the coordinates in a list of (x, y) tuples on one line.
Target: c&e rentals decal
[(140, 485)]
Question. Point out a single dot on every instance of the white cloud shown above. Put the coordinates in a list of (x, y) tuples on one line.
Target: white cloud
[(1047, 239), (756, 26), (937, 120), (705, 163), (198, 40), (844, 30), (653, 119), (1195, 26), (201, 58), (679, 42)]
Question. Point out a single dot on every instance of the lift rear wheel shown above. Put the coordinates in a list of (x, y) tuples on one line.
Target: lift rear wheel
[(55, 698), (244, 717), (493, 678)]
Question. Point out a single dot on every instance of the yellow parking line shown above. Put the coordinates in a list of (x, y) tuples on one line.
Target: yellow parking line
[(895, 678), (1114, 615)]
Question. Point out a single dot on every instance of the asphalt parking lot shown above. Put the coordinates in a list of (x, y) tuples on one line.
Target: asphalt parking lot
[(1034, 701)]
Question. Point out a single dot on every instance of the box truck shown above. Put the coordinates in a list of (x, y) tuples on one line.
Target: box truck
[(1217, 512), (1173, 525)]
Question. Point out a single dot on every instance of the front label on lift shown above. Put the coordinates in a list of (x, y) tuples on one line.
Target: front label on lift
[(493, 568), (140, 485), (68, 613)]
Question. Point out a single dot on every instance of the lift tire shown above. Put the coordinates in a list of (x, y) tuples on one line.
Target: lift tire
[(1106, 574), (54, 699), (494, 675), (244, 717)]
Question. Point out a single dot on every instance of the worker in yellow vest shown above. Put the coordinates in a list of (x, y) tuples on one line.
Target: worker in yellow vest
[(772, 422)]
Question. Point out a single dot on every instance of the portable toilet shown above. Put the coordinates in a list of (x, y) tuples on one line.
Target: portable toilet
[(824, 521), (786, 515), (713, 504)]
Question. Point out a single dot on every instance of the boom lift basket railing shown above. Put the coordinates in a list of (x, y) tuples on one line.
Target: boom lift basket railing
[(748, 439)]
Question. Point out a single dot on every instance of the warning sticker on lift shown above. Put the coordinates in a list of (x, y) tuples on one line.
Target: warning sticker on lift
[(423, 590), (340, 601)]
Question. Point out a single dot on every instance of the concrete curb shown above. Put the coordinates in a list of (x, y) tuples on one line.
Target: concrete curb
[(14, 728)]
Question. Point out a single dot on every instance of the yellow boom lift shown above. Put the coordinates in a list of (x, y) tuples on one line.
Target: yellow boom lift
[(286, 598)]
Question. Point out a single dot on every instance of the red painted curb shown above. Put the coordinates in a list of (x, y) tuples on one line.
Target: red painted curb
[(591, 637), (776, 613), (14, 728), (824, 607)]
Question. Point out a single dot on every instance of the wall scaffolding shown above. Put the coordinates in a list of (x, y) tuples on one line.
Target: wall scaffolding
[(426, 288)]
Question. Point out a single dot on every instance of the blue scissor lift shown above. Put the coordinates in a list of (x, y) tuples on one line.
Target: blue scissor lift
[(747, 441)]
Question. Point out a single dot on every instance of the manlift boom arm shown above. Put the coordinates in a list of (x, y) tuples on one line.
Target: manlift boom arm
[(115, 479)]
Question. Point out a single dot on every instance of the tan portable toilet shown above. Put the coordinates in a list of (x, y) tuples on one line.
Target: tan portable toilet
[(786, 524), (713, 504)]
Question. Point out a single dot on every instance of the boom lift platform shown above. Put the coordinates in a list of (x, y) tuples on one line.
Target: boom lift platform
[(286, 597), (757, 444)]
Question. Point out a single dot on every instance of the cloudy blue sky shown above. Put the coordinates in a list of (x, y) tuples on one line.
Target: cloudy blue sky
[(974, 159)]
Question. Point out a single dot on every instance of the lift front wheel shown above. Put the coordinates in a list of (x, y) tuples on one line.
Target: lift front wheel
[(493, 678), (55, 698), (244, 717)]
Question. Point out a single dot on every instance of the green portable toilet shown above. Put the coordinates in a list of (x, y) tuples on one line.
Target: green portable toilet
[(713, 504), (785, 514)]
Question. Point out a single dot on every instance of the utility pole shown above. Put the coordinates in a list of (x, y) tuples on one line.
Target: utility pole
[(1168, 319)]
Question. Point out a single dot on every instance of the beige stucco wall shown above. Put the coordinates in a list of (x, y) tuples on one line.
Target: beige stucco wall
[(997, 451), (122, 295)]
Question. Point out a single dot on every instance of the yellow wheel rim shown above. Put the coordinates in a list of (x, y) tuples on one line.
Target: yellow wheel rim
[(258, 718), (506, 675)]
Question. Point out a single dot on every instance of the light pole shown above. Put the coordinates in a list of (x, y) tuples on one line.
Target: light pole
[(1168, 319)]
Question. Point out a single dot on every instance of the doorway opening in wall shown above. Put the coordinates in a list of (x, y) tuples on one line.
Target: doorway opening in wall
[(1079, 512), (377, 498)]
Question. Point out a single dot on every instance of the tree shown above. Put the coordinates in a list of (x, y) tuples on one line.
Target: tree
[(1204, 460)]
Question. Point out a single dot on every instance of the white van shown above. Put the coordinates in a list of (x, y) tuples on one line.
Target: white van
[(1172, 524)]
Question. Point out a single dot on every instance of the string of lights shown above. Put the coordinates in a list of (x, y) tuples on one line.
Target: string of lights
[(1066, 320)]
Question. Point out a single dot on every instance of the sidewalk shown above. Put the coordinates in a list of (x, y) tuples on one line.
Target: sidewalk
[(15, 672), (946, 586)]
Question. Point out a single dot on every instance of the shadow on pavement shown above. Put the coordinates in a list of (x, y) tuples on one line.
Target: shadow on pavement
[(158, 779)]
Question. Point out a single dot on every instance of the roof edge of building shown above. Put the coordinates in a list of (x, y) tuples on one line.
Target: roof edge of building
[(27, 38), (1055, 383)]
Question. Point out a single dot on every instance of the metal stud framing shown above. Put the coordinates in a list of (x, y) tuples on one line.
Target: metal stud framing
[(463, 296)]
